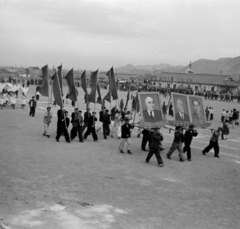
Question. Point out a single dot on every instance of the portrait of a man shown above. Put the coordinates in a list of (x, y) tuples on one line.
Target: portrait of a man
[(197, 109), (151, 109), (181, 108), (150, 114)]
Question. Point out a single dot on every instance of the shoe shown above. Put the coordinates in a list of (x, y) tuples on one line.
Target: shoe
[(44, 134), (144, 150), (57, 139), (69, 141), (111, 136), (189, 159), (119, 137), (168, 157), (48, 136), (129, 152), (203, 153), (121, 151), (146, 161), (182, 160), (80, 141), (217, 156), (160, 165), (95, 140)]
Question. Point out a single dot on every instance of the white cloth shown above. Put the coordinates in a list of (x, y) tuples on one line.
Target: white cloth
[(24, 100), (124, 141)]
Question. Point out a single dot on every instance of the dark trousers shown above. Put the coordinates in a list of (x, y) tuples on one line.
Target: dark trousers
[(155, 151), (146, 138), (32, 111), (62, 130), (91, 130), (106, 130), (213, 145), (77, 131), (187, 148)]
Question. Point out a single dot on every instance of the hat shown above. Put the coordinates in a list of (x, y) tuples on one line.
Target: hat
[(48, 107), (191, 126), (178, 127), (66, 112), (126, 119), (33, 97), (80, 111)]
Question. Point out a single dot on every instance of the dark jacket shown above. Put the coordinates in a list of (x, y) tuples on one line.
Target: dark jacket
[(34, 103), (91, 121), (157, 116), (87, 115), (126, 130), (101, 116), (189, 134), (179, 118), (156, 140), (76, 122), (106, 119), (178, 137)]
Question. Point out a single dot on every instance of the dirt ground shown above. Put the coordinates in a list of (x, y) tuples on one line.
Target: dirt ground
[(47, 185)]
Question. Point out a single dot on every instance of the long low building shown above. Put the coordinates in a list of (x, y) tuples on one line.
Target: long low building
[(200, 82)]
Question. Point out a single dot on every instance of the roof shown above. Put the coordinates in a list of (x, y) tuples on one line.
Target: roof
[(211, 79)]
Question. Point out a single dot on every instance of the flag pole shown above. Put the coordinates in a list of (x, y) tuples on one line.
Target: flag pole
[(48, 88), (135, 110), (110, 77)]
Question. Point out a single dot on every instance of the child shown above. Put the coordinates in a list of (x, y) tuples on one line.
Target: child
[(225, 131)]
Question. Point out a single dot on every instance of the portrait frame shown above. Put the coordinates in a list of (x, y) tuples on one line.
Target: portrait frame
[(157, 110), (186, 108), (199, 99)]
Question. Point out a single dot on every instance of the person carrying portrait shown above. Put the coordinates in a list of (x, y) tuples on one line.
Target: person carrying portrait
[(106, 120), (150, 114), (77, 124), (126, 136), (170, 110), (117, 125), (62, 125), (181, 115), (91, 127), (213, 143), (32, 104), (47, 118), (188, 136), (155, 147), (164, 108), (145, 139), (177, 143)]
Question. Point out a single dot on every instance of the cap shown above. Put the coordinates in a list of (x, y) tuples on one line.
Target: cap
[(191, 126)]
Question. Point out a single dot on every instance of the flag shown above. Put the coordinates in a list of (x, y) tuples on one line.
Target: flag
[(84, 81), (92, 96), (60, 77), (107, 97), (127, 99), (99, 98), (44, 88), (56, 90), (112, 84), (72, 91)]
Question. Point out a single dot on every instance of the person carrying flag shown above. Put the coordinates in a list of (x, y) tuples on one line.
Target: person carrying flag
[(47, 118)]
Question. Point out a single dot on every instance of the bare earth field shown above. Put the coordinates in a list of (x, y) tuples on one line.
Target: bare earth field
[(49, 185)]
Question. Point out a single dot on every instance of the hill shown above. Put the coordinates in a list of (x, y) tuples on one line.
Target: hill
[(224, 66)]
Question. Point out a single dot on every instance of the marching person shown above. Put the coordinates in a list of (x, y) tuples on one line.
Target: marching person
[(32, 104), (126, 136), (106, 123), (24, 100), (117, 125), (145, 139), (189, 134), (177, 143), (87, 115), (213, 143), (91, 127), (1, 100), (47, 118), (155, 147), (62, 125), (225, 131), (77, 123), (13, 100)]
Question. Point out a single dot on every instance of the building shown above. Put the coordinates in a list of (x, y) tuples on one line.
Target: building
[(198, 82)]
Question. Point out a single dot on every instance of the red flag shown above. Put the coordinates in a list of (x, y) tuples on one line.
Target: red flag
[(92, 96), (127, 99), (84, 81), (107, 97), (56, 90), (44, 88), (99, 98), (72, 91), (112, 84), (60, 77)]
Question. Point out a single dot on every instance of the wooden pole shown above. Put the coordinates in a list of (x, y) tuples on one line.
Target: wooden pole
[(135, 110)]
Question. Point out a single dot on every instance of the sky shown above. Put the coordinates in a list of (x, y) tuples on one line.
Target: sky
[(99, 34)]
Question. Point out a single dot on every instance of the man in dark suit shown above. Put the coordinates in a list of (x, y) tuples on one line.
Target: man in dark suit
[(32, 104), (151, 114), (181, 115)]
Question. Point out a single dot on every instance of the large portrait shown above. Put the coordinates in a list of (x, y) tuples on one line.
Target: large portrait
[(196, 109), (151, 110), (180, 108)]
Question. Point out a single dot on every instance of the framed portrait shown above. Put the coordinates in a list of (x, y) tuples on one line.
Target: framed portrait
[(151, 110), (196, 109), (180, 109)]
